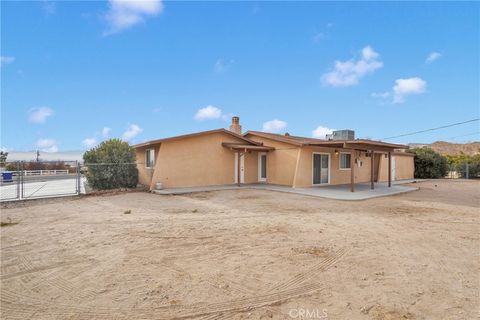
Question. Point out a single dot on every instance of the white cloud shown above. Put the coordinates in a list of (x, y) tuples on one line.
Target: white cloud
[(320, 132), (49, 7), (6, 60), (132, 131), (432, 57), (89, 142), (39, 115), (222, 66), (383, 95), (106, 131), (318, 37), (124, 14), (405, 87), (348, 73), (208, 113), (47, 145), (274, 126)]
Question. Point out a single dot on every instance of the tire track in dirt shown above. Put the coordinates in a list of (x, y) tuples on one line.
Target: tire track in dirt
[(45, 277), (40, 268), (304, 276), (249, 303), (29, 305)]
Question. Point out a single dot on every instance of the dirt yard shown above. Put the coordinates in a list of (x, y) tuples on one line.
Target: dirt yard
[(245, 254)]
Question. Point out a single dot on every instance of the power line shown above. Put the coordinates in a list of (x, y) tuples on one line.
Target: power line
[(464, 135), (431, 129)]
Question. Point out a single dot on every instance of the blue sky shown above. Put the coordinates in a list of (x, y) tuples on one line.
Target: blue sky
[(75, 73)]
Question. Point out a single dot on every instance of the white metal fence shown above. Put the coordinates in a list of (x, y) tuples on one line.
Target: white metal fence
[(39, 172)]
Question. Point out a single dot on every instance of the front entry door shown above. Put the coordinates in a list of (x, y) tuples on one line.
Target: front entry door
[(242, 168), (321, 168)]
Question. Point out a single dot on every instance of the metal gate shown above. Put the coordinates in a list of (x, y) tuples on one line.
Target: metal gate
[(39, 179)]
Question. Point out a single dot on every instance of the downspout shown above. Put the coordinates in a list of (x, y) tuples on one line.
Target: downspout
[(294, 182)]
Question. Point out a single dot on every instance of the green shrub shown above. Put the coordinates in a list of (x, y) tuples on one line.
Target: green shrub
[(459, 163), (429, 164), (111, 165)]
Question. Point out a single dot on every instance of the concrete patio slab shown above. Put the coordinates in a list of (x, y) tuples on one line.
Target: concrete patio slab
[(336, 192)]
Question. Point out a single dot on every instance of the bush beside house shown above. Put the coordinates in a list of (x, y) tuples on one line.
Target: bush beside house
[(111, 165), (429, 164)]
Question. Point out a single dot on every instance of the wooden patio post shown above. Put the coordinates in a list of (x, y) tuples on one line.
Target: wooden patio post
[(352, 170), (372, 169), (389, 169)]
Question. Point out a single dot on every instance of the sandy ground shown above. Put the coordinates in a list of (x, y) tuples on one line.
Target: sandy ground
[(245, 254)]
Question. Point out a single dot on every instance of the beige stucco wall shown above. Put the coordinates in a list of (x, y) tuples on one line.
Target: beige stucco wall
[(145, 174), (281, 162), (251, 167), (198, 161), (337, 176), (292, 165), (404, 167), (202, 160)]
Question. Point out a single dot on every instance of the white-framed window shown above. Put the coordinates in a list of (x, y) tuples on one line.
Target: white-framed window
[(149, 158), (345, 161)]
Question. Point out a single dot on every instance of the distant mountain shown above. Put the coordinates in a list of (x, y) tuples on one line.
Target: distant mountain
[(448, 148), (45, 156)]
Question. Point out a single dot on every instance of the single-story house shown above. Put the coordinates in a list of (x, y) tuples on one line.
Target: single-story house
[(211, 158)]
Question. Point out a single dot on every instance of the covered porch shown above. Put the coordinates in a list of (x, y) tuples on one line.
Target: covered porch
[(241, 151), (354, 147)]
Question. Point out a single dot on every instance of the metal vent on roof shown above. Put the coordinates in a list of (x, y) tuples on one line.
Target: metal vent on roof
[(341, 135)]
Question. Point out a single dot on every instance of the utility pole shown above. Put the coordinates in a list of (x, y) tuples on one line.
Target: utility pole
[(38, 155), (467, 171)]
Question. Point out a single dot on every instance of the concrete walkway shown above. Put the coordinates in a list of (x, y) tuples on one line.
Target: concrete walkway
[(337, 192)]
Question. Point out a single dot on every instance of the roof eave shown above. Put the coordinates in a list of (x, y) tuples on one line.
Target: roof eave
[(159, 141)]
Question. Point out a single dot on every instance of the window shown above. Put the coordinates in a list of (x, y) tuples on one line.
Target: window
[(345, 160), (149, 158), (263, 170), (262, 167)]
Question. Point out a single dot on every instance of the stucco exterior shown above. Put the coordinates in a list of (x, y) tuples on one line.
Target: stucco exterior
[(404, 167), (207, 159), (199, 160)]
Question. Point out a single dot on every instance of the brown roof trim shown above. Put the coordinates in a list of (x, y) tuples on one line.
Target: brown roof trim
[(304, 141), (378, 143), (239, 146), (144, 144)]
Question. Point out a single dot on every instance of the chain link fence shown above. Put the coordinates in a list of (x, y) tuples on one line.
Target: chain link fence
[(40, 179), (463, 170)]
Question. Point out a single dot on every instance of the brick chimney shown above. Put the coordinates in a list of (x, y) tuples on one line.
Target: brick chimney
[(235, 126)]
